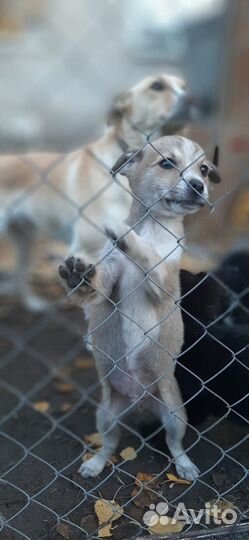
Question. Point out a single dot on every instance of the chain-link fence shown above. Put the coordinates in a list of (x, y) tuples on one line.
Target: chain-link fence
[(162, 311)]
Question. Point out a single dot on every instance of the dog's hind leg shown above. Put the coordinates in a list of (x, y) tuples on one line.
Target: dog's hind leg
[(22, 233), (173, 416), (109, 411)]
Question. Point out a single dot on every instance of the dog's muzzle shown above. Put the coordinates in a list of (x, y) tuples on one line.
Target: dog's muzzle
[(180, 115), (191, 202), (189, 198)]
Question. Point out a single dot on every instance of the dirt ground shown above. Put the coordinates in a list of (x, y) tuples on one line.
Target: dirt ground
[(48, 395)]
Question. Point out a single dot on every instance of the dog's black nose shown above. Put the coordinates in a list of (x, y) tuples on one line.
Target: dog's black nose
[(197, 185)]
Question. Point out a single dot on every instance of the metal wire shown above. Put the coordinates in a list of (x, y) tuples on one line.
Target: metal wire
[(90, 491)]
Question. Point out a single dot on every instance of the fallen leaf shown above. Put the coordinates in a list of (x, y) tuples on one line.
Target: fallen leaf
[(113, 460), (65, 407), (63, 388), (128, 453), (107, 511), (143, 497), (143, 477), (84, 363), (177, 480), (105, 531), (215, 507), (103, 510), (87, 455), (41, 406), (146, 496), (166, 525), (63, 530), (94, 440)]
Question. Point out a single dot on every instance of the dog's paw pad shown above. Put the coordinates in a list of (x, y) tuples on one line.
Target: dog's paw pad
[(80, 266), (74, 280), (76, 273), (70, 261), (63, 271)]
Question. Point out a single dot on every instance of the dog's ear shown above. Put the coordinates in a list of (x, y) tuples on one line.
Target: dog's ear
[(213, 174), (120, 107), (126, 162), (216, 156)]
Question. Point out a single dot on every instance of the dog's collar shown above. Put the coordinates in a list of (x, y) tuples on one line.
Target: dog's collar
[(122, 144)]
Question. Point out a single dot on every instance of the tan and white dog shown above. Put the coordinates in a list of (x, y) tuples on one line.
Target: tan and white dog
[(132, 294), (74, 196)]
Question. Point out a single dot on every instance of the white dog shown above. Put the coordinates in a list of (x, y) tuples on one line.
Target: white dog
[(131, 294)]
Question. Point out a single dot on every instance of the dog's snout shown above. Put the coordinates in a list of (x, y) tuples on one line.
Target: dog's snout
[(197, 185)]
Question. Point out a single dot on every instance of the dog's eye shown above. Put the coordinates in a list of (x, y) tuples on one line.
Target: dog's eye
[(167, 163), (158, 86), (204, 170)]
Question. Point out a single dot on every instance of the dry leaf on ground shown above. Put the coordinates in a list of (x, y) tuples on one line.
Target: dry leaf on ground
[(143, 497), (143, 477), (63, 530), (107, 512), (83, 363), (41, 406), (103, 510), (112, 460), (105, 531), (87, 455), (176, 480), (166, 526), (65, 407), (128, 453), (147, 495), (94, 439), (215, 507), (64, 388)]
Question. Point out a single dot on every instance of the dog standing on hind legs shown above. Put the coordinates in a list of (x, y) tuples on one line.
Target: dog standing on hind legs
[(130, 295)]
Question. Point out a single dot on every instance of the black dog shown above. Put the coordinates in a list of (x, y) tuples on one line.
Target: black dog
[(213, 369)]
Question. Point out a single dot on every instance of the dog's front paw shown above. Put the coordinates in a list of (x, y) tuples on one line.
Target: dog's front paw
[(76, 274), (187, 469), (92, 467)]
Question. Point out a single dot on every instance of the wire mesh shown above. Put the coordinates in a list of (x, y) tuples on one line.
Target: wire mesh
[(51, 390)]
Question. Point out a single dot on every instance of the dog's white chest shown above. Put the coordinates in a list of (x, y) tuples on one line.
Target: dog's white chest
[(117, 200), (164, 240), (131, 376)]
